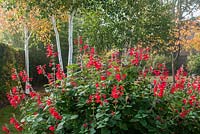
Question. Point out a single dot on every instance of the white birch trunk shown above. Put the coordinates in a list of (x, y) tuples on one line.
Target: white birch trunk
[(70, 38), (57, 42), (26, 44)]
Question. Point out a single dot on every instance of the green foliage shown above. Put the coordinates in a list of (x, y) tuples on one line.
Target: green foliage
[(6, 113), (193, 64), (107, 96), (7, 62), (125, 24)]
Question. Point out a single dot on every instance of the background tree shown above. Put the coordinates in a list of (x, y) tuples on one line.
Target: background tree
[(23, 20), (123, 24), (182, 10)]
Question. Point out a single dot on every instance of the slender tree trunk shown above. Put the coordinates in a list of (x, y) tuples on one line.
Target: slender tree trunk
[(26, 44), (57, 41), (70, 38)]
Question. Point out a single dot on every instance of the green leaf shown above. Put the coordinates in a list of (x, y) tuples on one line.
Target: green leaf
[(123, 126), (105, 131), (98, 115), (92, 131), (60, 126), (74, 117), (143, 122)]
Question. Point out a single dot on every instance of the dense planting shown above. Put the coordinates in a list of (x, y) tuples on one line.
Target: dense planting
[(107, 94)]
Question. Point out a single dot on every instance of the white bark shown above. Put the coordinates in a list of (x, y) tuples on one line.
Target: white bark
[(26, 44), (57, 41), (70, 38)]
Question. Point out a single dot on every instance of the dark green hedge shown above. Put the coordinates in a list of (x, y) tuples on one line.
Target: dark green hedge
[(7, 62), (14, 58)]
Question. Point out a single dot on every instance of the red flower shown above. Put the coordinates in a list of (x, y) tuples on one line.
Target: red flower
[(14, 76), (48, 102), (97, 65), (118, 77), (103, 77), (184, 113), (135, 62), (92, 50), (18, 127), (49, 50), (145, 57), (115, 93), (12, 120), (85, 47), (39, 69), (131, 51), (14, 100), (33, 94), (28, 86), (23, 96), (98, 98), (59, 74), (173, 89), (73, 83), (55, 114), (156, 72), (85, 125), (50, 63), (52, 128), (5, 129), (108, 73), (14, 90), (97, 85), (80, 40), (16, 124), (123, 76)]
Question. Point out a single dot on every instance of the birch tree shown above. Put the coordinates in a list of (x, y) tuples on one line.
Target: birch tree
[(19, 20), (57, 41), (182, 11)]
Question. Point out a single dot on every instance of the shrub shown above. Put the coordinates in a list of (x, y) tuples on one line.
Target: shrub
[(108, 96), (7, 62), (193, 64)]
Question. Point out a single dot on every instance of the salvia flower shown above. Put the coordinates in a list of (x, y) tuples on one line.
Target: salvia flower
[(5, 129)]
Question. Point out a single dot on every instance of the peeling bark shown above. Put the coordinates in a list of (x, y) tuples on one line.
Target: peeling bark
[(57, 41), (70, 38), (26, 45)]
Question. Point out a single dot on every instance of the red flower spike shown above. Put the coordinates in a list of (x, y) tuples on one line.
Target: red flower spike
[(92, 50), (39, 69), (80, 40), (14, 76), (5, 129), (52, 128), (85, 47), (118, 77), (135, 62), (108, 73), (97, 85), (115, 93), (23, 96), (85, 125), (184, 113), (156, 72), (49, 50), (18, 127), (28, 86), (33, 94), (55, 114), (48, 102), (103, 78), (98, 98), (14, 90)]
